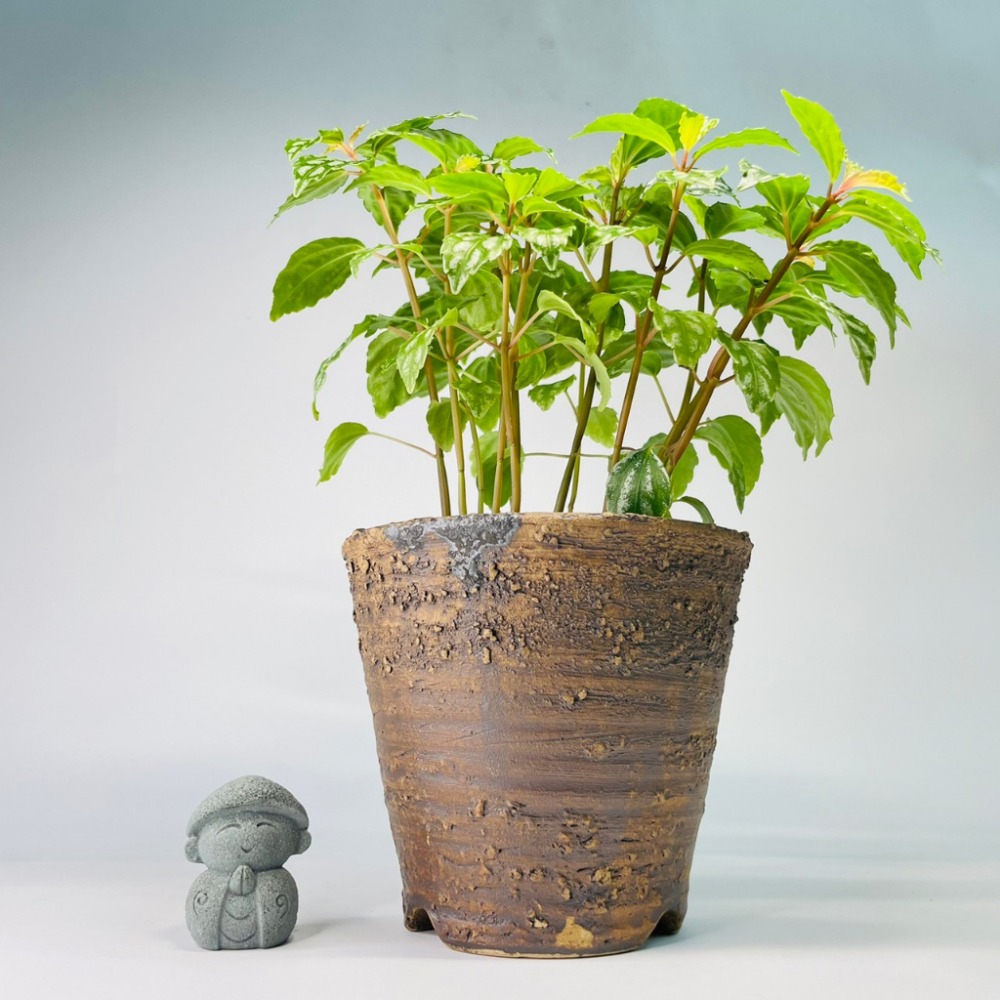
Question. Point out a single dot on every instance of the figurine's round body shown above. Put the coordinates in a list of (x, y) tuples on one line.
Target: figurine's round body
[(251, 910), (244, 832)]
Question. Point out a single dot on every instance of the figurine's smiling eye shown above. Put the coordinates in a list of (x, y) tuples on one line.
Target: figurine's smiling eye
[(228, 826), (264, 822)]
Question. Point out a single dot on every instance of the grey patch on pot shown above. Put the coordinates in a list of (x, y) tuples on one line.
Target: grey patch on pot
[(468, 539)]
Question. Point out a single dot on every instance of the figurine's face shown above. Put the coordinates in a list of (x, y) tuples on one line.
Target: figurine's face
[(260, 840)]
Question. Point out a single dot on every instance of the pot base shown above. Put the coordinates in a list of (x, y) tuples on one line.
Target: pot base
[(576, 939)]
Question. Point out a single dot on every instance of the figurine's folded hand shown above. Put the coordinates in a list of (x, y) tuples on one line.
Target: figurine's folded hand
[(243, 881)]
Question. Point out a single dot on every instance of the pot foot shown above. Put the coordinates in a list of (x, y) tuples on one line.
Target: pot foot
[(416, 919), (669, 923)]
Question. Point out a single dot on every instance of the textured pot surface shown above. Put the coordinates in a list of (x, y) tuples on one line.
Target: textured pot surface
[(545, 691)]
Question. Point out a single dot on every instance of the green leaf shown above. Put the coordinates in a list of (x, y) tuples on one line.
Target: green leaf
[(899, 225), (860, 336), (538, 207), (721, 218), (312, 273), (531, 369), (728, 288), (479, 389), (601, 304), (555, 186), (784, 193), (364, 328), (548, 301), (729, 253), (803, 398), (692, 128), (596, 237), (486, 291), (755, 366), (639, 484), (856, 176), (518, 145), (751, 175), (703, 512), (518, 183), (632, 287), (698, 183), (633, 125), (683, 472), (853, 268), (588, 356), (445, 146), (384, 384), (463, 254), (411, 357), (441, 424), (475, 187), (553, 238), (602, 426), (688, 332), (294, 148), (398, 201), (746, 137), (736, 445), (821, 131), (338, 444), (801, 314), (394, 175), (314, 177), (632, 151), (418, 130), (546, 394)]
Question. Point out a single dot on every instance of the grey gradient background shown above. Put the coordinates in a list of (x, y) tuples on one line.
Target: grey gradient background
[(175, 611)]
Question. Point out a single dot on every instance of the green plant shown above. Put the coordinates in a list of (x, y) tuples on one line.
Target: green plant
[(512, 291)]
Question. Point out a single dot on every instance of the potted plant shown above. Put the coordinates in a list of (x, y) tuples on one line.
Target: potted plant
[(546, 687)]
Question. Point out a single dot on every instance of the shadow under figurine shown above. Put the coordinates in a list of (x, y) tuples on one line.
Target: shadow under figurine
[(244, 832)]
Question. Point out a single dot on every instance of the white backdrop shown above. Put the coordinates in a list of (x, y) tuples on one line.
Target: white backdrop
[(175, 610)]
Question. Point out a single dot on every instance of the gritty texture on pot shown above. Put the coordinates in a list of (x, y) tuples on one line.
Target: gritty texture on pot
[(545, 691)]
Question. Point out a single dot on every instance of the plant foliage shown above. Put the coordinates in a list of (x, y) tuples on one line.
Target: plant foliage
[(514, 294)]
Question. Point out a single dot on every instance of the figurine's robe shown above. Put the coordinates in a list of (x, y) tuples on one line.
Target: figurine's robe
[(243, 910)]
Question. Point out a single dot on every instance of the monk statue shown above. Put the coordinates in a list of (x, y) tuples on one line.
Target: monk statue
[(244, 832)]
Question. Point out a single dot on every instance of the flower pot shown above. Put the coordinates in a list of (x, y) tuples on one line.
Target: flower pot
[(546, 691)]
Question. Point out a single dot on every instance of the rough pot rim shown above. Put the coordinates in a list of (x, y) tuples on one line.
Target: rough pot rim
[(669, 524)]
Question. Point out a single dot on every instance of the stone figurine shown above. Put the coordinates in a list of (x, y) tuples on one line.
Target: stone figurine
[(244, 832)]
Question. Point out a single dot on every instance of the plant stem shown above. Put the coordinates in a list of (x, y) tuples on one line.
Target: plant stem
[(683, 431), (663, 397), (642, 329), (456, 423), (587, 399), (432, 392), (576, 481), (498, 478), (480, 480), (516, 447), (456, 416), (409, 444), (574, 489), (506, 434), (585, 269)]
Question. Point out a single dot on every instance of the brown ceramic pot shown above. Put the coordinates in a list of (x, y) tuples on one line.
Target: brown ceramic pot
[(546, 691)]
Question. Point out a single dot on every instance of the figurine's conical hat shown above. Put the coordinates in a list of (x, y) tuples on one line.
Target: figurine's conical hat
[(253, 793)]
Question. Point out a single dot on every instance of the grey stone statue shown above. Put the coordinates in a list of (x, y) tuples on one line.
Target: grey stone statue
[(244, 832)]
